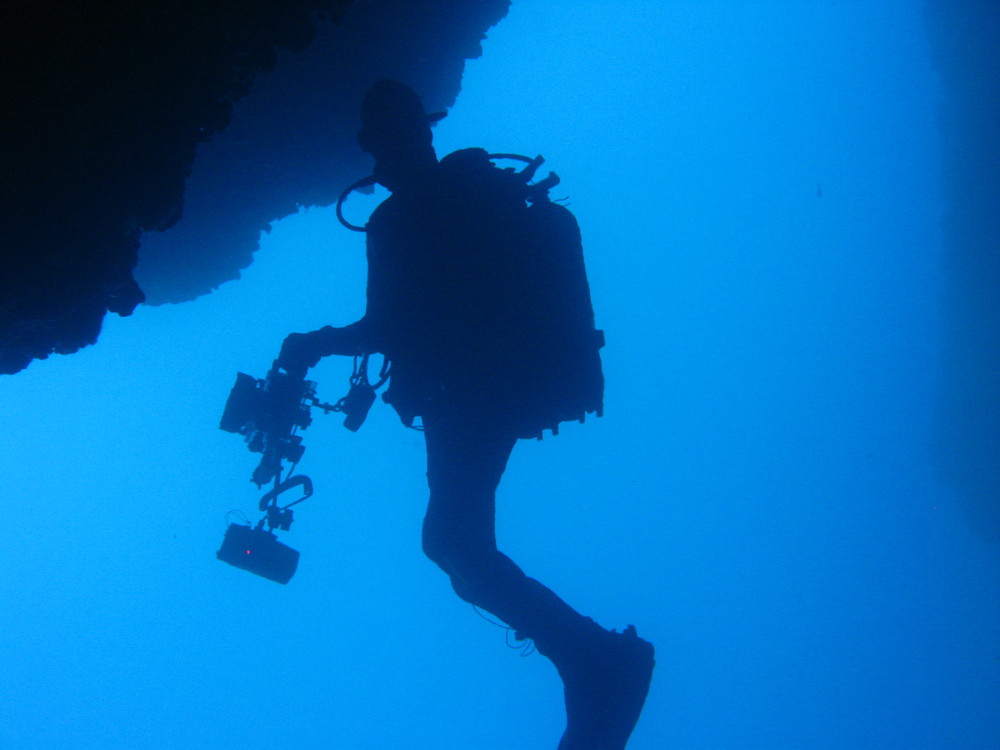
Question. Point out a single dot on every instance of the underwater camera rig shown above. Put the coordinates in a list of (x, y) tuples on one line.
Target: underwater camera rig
[(268, 413)]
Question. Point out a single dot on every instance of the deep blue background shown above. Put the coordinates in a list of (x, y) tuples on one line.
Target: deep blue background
[(759, 187)]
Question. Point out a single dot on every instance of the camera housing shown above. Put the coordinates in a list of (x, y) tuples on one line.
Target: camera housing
[(258, 551), (267, 413)]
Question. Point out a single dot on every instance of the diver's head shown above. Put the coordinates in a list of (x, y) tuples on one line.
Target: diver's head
[(396, 130)]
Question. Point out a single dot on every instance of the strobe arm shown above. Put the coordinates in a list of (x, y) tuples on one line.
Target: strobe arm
[(281, 517), (290, 483)]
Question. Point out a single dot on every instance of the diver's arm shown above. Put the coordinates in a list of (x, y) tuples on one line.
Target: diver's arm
[(348, 341), (300, 351)]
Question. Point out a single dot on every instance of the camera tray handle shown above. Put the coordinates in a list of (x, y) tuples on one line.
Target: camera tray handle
[(291, 482)]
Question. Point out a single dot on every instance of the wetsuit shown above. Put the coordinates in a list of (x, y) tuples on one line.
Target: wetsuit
[(461, 299)]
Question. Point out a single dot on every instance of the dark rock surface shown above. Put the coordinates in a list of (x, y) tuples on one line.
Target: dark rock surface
[(185, 127)]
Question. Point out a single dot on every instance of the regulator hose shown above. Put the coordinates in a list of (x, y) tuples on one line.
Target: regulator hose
[(527, 173)]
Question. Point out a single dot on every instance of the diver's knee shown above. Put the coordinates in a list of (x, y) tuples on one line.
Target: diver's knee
[(433, 550), (437, 546), (455, 555)]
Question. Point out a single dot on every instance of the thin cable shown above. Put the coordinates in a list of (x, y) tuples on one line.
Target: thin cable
[(490, 620), (239, 513), (527, 645)]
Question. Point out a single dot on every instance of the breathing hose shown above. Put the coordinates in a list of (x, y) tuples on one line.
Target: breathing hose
[(526, 174)]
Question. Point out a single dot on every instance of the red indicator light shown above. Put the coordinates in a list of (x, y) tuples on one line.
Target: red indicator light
[(248, 552)]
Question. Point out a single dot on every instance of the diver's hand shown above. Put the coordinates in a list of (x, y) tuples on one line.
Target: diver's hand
[(299, 352)]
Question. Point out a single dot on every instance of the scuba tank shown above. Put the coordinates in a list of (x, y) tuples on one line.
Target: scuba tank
[(558, 376)]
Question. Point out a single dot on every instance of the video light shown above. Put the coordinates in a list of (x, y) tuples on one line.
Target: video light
[(258, 551)]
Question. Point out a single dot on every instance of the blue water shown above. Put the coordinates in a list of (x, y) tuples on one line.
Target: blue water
[(759, 187)]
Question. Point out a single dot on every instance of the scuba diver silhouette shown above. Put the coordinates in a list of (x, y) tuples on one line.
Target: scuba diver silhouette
[(479, 302)]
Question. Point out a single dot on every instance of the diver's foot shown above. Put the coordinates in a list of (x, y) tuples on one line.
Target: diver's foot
[(605, 691)]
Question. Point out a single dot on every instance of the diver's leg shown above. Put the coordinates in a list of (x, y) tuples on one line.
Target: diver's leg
[(605, 674), (464, 466)]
